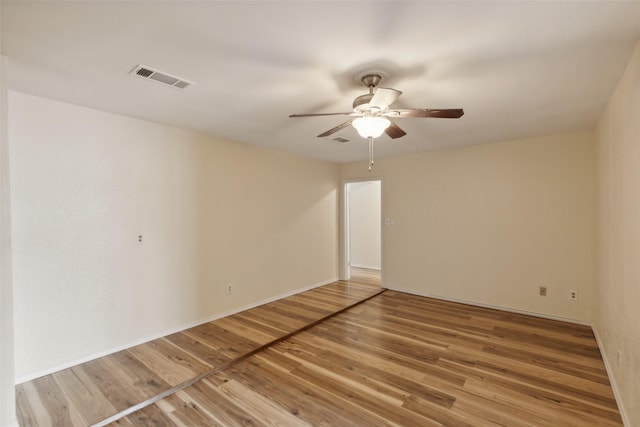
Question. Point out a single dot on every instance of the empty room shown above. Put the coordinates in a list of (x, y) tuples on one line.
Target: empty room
[(320, 213)]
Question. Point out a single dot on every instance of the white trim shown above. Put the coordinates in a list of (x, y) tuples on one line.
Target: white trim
[(66, 365), (345, 273), (345, 259), (494, 307), (612, 378)]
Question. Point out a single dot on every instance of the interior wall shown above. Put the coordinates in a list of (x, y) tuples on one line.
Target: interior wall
[(7, 378), (365, 220), (86, 184), (617, 319), (490, 224)]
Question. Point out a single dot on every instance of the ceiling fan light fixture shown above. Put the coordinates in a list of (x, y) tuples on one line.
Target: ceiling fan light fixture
[(371, 126)]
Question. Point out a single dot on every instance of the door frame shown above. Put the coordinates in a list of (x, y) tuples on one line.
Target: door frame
[(345, 260)]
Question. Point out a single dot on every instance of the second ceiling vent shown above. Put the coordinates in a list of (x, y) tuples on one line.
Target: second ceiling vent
[(160, 77)]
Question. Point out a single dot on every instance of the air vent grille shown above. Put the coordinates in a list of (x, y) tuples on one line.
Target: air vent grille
[(144, 72), (340, 139), (160, 77), (182, 84)]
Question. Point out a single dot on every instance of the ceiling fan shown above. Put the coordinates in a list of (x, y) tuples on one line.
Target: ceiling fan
[(371, 115)]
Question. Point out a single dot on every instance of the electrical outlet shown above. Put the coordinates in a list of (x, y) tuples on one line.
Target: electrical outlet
[(573, 295), (228, 288), (543, 291)]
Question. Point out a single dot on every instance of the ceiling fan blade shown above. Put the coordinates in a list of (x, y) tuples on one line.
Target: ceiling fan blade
[(322, 114), (394, 131), (451, 113), (335, 129), (384, 97)]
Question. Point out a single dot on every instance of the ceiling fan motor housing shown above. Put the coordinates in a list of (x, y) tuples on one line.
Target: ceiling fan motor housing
[(361, 103)]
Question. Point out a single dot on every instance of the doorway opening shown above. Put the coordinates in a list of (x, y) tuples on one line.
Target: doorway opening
[(363, 232)]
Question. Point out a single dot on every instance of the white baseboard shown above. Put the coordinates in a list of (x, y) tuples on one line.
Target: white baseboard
[(494, 307), (612, 379), (368, 267), (66, 365)]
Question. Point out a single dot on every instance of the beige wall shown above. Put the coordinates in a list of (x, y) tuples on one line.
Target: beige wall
[(490, 224), (7, 390), (617, 315), (86, 183)]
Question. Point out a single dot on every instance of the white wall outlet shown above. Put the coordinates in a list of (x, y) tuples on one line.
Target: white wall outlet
[(228, 288), (573, 295)]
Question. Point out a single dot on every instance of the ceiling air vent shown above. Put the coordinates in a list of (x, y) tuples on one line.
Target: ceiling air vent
[(160, 77), (340, 139)]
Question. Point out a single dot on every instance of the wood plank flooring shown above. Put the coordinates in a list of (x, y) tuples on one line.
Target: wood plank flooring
[(366, 276), (394, 359), (404, 360), (91, 392)]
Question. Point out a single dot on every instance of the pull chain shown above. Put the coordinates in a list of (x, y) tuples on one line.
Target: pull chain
[(370, 152)]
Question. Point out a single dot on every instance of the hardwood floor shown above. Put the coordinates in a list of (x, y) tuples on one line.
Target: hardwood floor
[(366, 276), (399, 359), (395, 359), (89, 393)]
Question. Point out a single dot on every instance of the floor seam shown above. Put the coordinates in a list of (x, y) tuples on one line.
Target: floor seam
[(150, 401)]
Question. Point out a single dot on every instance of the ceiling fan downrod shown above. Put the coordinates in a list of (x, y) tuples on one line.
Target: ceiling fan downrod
[(371, 81)]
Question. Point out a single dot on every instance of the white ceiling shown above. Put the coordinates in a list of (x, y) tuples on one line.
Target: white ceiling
[(518, 69)]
